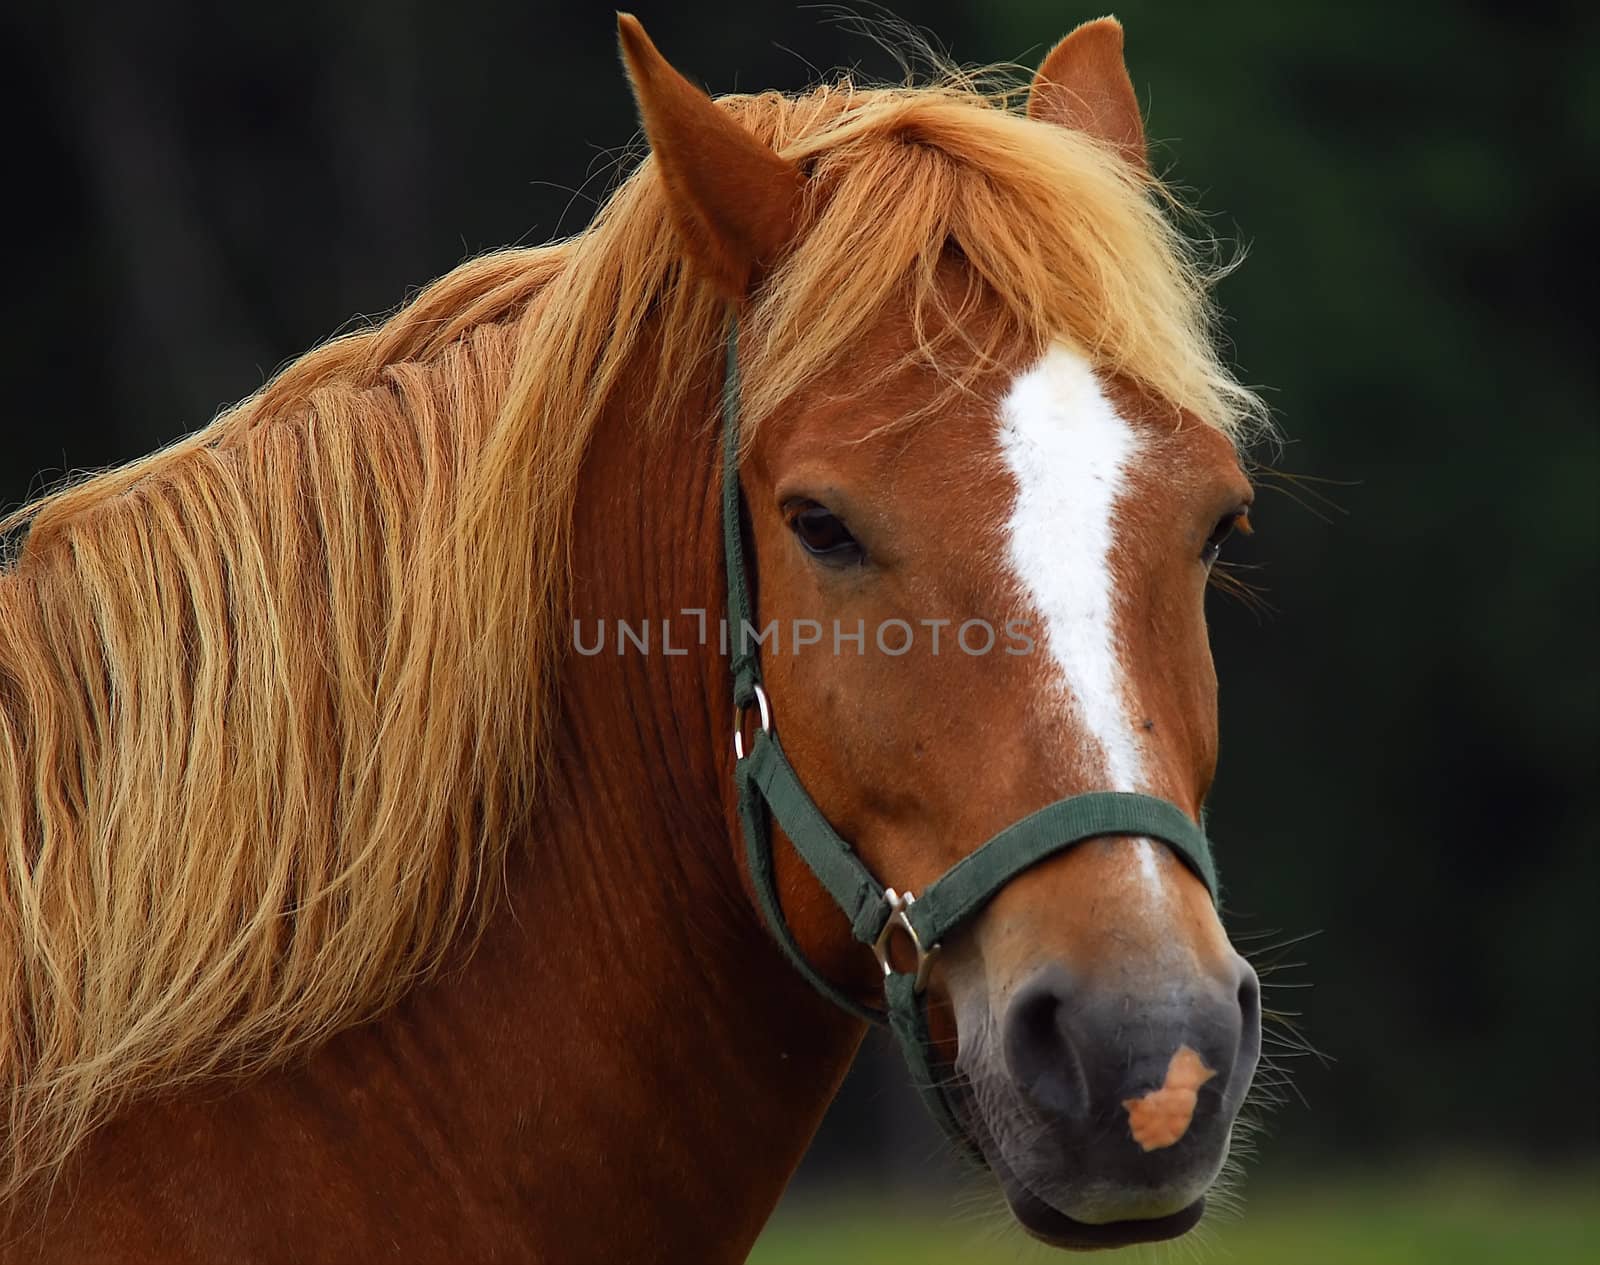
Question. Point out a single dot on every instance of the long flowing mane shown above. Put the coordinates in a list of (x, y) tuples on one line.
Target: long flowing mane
[(273, 700)]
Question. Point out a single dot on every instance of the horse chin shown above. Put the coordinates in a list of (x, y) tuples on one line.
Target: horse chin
[(1050, 1225)]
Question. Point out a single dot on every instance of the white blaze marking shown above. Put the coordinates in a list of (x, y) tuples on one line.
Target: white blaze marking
[(1069, 449)]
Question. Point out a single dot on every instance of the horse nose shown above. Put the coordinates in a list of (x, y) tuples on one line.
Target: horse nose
[(1142, 1076)]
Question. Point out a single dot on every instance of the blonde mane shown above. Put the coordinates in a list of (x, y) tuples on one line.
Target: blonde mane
[(273, 700)]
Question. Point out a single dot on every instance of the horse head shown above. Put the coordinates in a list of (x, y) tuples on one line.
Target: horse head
[(982, 556)]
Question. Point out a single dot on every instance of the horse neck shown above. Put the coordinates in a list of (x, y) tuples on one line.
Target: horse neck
[(672, 1052)]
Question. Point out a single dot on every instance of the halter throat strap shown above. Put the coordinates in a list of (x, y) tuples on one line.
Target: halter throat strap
[(770, 790)]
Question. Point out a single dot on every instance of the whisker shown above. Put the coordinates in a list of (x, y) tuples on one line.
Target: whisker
[(1304, 504), (1224, 579)]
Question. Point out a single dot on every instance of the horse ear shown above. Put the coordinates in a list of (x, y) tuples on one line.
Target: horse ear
[(736, 202), (1083, 84)]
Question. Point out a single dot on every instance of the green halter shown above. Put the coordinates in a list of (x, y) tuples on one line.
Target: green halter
[(769, 789)]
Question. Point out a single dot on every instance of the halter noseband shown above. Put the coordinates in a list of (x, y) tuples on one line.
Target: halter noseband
[(769, 789)]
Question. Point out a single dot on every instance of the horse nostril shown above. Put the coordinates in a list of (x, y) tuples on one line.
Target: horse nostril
[(1038, 1046), (1249, 997)]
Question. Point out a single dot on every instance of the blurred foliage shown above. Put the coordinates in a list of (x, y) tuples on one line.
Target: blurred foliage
[(1409, 737)]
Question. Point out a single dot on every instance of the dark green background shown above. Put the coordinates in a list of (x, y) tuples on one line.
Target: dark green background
[(1409, 738)]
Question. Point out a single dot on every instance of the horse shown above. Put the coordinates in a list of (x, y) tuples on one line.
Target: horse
[(357, 907)]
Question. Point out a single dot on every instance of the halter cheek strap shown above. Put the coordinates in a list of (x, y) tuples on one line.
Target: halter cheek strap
[(770, 790)]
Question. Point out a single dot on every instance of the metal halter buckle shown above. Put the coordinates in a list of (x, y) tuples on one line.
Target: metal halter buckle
[(763, 708), (898, 905)]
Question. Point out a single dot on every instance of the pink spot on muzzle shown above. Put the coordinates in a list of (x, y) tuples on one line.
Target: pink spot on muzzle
[(1162, 1116)]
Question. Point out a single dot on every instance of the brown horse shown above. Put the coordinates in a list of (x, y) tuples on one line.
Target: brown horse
[(357, 907)]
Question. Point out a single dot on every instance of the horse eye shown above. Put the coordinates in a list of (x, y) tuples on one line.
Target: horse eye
[(1239, 519), (822, 534)]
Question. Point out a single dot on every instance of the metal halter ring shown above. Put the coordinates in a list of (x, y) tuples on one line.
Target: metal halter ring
[(763, 707), (898, 905)]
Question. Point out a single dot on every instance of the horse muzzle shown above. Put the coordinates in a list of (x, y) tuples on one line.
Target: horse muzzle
[(1106, 1112)]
